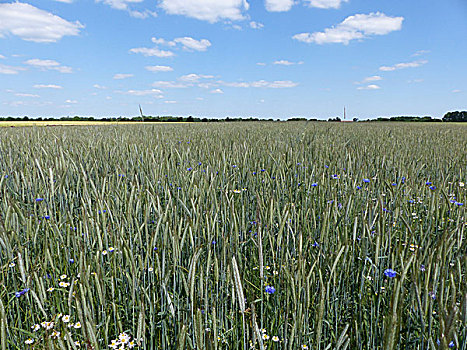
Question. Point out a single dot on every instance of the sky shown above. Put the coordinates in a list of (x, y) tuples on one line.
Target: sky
[(233, 58)]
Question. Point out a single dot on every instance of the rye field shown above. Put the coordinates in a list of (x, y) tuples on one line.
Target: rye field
[(234, 236)]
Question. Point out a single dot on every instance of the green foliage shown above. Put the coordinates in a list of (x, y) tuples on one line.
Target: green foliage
[(455, 117), (177, 254)]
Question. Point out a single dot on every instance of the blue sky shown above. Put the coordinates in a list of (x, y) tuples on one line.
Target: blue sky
[(218, 58)]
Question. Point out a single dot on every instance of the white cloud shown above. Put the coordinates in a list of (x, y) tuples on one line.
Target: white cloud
[(47, 86), (32, 24), (4, 69), (206, 10), (420, 53), (193, 78), (71, 101), (193, 44), (369, 87), (456, 91), (398, 66), (20, 94), (187, 43), (415, 81), (146, 51), (217, 91), (262, 84), (170, 102), (159, 68), (122, 76), (260, 64), (2, 57), (286, 63), (169, 84), (48, 65), (369, 79), (355, 27), (65, 1), (278, 5), (326, 4), (151, 92), (256, 25), (97, 86), (119, 4), (142, 14)]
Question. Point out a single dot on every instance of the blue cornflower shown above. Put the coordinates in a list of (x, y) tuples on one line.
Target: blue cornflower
[(234, 166), (359, 187), (385, 210), (390, 273), (394, 184), (199, 163), (263, 170), (315, 244), (433, 188), (47, 217), (72, 261), (213, 242), (403, 179), (326, 166), (270, 289), (451, 344), (189, 169), (459, 204), (422, 268), (155, 248), (39, 199), (254, 172), (314, 184), (366, 180), (411, 201), (21, 293), (428, 183), (6, 176), (121, 175)]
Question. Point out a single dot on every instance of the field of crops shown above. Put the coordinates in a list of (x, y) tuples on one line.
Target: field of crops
[(234, 236)]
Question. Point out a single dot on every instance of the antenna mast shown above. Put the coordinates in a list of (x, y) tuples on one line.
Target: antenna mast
[(344, 112)]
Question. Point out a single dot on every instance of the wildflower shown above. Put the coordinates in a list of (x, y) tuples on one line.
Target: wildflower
[(265, 336), (189, 169), (111, 249), (77, 343), (422, 268), (150, 269), (21, 293), (366, 180), (12, 264), (29, 341), (104, 252), (77, 325), (270, 289), (451, 344), (62, 277), (131, 344), (433, 188), (428, 183), (72, 261), (39, 199), (64, 284), (49, 325), (394, 184), (275, 338), (47, 217), (459, 204), (390, 273), (314, 184), (66, 318), (51, 289), (55, 334), (315, 244), (461, 184), (432, 295), (304, 346), (359, 188), (36, 327)]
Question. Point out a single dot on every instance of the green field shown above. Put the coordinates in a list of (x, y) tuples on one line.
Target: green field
[(234, 236)]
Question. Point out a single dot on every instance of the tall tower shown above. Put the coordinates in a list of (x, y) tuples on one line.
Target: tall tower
[(344, 112)]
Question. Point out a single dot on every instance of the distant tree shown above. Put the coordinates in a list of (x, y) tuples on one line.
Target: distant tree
[(455, 117), (355, 120)]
